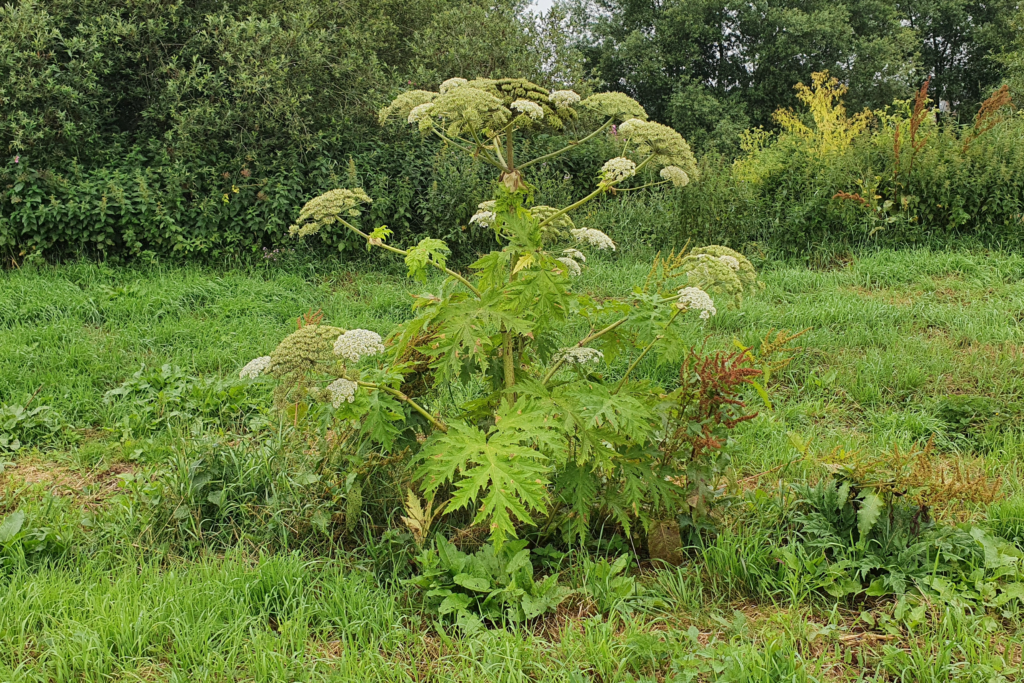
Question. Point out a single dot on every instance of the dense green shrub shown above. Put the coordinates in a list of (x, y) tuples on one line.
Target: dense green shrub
[(893, 177), (199, 127)]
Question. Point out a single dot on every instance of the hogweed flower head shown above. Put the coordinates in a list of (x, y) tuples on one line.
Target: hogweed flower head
[(341, 391), (255, 367), (571, 265), (594, 238), (451, 84), (327, 209), (578, 355), (466, 108), (676, 176), (354, 344), (720, 270), (575, 254), (663, 144), (420, 112), (696, 299), (563, 98), (528, 108), (403, 105), (616, 170), (615, 105)]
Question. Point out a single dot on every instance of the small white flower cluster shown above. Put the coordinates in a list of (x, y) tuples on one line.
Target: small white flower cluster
[(255, 367), (531, 109), (676, 175), (575, 254), (420, 112), (578, 355), (730, 261), (342, 390), (485, 216), (563, 98), (355, 344), (451, 84), (696, 299), (616, 170), (572, 266), (594, 238)]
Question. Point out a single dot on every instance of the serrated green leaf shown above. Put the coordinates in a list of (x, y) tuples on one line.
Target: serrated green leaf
[(867, 516)]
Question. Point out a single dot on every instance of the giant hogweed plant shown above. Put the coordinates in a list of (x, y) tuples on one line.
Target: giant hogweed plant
[(547, 436)]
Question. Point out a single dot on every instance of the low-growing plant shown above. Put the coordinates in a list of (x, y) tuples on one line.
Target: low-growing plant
[(539, 428), (493, 584), (152, 399), (23, 425), (868, 529)]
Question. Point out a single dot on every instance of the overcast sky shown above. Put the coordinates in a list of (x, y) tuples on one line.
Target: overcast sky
[(542, 5)]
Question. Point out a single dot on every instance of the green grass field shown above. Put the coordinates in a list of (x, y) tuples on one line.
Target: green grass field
[(120, 576)]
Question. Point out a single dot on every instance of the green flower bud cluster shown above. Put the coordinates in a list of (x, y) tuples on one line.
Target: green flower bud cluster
[(666, 145), (326, 209), (720, 270)]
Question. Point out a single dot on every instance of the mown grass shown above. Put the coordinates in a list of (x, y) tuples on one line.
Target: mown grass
[(899, 347)]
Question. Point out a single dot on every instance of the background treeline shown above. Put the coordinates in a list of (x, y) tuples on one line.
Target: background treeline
[(200, 127)]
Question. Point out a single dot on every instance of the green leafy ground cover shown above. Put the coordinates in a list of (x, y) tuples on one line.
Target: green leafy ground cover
[(158, 522)]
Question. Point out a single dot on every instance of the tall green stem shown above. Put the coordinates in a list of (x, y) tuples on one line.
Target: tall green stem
[(402, 252), (644, 353), (405, 399), (531, 162), (595, 193), (581, 343)]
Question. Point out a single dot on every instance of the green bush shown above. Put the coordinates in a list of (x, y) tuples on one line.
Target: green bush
[(903, 179)]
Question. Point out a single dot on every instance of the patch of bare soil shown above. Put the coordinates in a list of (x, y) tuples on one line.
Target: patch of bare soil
[(89, 487)]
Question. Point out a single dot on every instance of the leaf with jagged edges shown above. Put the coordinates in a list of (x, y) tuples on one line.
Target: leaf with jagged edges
[(576, 486), (871, 505), (464, 330), (502, 470), (539, 294), (619, 412), (419, 257)]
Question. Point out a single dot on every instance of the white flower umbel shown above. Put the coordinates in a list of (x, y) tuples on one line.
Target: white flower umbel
[(420, 112), (730, 261), (342, 390), (575, 254), (696, 299), (451, 84), (578, 355), (676, 175), (616, 170), (483, 218), (355, 344), (531, 109), (255, 367), (563, 98), (571, 266), (594, 238)]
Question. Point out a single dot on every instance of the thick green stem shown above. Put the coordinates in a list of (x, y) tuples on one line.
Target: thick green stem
[(508, 359), (405, 399), (531, 162), (581, 343), (644, 353), (402, 252)]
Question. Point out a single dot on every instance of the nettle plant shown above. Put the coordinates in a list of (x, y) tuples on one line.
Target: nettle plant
[(529, 428)]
